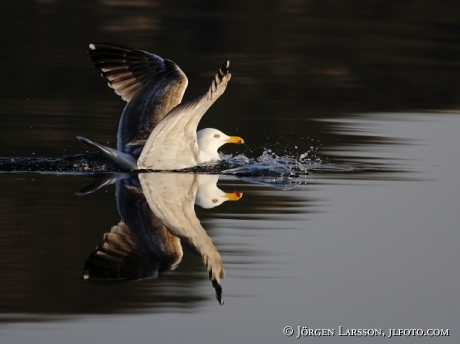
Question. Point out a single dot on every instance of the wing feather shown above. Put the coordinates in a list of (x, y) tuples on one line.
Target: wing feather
[(171, 196), (142, 67), (151, 85), (173, 143)]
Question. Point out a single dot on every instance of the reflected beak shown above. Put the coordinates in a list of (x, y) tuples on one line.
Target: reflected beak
[(235, 139), (234, 196)]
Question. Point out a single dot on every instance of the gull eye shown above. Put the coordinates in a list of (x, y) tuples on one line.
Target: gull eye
[(216, 136), (214, 200)]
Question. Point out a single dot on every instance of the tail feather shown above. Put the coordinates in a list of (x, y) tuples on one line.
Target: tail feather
[(126, 161)]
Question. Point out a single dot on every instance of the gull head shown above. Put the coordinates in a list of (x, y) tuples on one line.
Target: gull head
[(209, 195), (210, 140)]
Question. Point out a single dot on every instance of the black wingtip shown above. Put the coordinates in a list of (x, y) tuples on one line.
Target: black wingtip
[(223, 70), (225, 66), (218, 289)]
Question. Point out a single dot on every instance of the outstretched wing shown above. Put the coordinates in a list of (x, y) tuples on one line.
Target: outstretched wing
[(171, 198), (173, 143), (151, 85), (128, 70), (122, 256), (140, 246)]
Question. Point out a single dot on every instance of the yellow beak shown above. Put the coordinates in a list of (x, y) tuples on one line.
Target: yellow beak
[(234, 196), (235, 139)]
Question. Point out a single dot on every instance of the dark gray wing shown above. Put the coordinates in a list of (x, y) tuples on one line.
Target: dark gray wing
[(151, 85), (138, 247)]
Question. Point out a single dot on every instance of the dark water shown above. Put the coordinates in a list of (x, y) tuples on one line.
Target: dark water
[(364, 95)]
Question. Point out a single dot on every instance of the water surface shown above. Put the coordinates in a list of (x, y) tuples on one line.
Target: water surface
[(366, 94)]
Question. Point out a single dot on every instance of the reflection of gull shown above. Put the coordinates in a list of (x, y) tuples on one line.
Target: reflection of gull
[(156, 130), (171, 198), (209, 195), (140, 246), (158, 215)]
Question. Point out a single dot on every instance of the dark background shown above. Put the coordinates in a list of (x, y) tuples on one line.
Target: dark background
[(292, 62)]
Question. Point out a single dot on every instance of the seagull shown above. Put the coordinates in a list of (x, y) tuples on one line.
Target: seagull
[(157, 130), (158, 218)]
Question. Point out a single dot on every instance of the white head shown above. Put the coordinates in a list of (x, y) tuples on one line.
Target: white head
[(210, 140), (209, 195)]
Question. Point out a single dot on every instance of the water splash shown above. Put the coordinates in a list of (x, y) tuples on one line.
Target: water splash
[(269, 165)]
